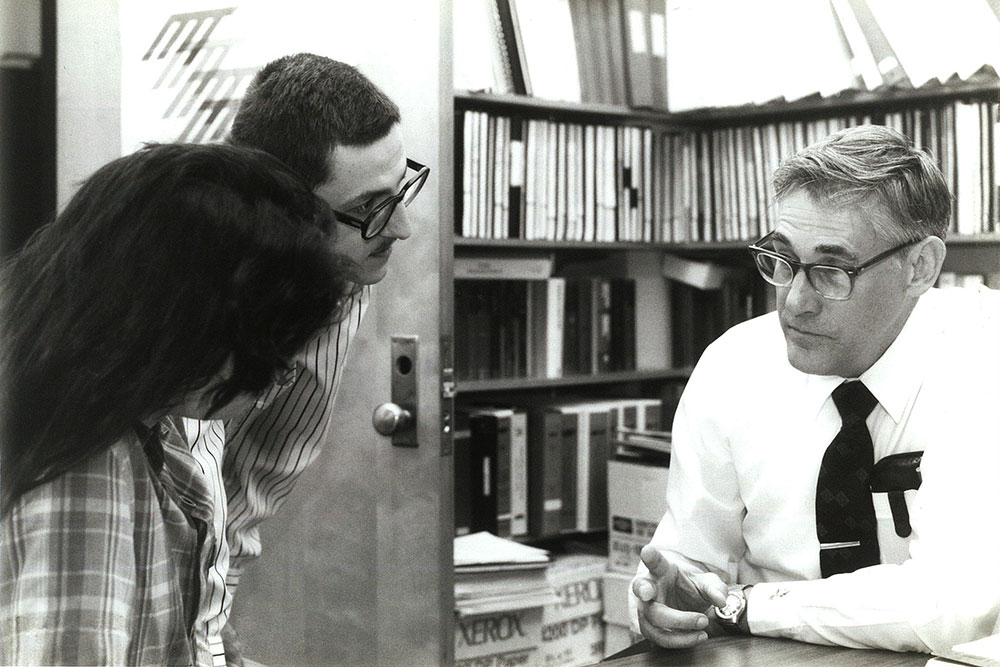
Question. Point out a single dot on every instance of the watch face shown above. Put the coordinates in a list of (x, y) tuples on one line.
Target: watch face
[(734, 605)]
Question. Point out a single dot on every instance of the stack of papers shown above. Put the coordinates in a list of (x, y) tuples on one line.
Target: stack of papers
[(642, 444), (493, 574), (983, 652)]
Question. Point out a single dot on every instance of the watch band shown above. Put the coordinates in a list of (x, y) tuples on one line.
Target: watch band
[(733, 617)]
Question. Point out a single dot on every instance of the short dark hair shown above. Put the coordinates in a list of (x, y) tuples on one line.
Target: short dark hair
[(165, 265), (877, 165), (299, 108)]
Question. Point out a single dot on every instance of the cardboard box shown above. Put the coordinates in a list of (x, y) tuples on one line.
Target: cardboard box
[(637, 499), (573, 629), (615, 586), (618, 634), (500, 639), (618, 638)]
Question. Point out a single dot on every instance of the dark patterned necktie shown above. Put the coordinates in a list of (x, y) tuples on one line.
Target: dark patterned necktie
[(845, 514)]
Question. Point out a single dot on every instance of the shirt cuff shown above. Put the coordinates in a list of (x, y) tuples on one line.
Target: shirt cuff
[(768, 609)]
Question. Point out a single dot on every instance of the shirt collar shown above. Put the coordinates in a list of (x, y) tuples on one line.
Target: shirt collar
[(896, 376)]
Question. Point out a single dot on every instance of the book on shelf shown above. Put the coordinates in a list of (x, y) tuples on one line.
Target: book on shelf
[(506, 23), (503, 266), (614, 32), (699, 274), (498, 471), (462, 464), (482, 60), (642, 444), (591, 452), (546, 311), (658, 51), (550, 52), (642, 68), (698, 316), (545, 461), (491, 329)]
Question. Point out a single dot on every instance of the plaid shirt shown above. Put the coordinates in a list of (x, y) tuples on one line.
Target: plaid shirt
[(103, 565)]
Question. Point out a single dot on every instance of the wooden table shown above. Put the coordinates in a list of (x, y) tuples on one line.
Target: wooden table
[(736, 651)]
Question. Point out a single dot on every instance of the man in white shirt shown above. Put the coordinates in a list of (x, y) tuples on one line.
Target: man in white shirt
[(833, 463), (341, 134)]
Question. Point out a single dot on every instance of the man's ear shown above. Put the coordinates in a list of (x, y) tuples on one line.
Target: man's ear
[(924, 263)]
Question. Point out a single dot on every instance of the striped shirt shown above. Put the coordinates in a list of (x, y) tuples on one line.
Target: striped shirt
[(265, 452), (103, 564)]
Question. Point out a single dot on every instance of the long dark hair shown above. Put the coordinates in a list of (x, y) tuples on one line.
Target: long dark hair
[(165, 265)]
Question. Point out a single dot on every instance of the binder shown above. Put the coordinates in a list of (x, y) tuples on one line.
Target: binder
[(636, 45), (545, 483)]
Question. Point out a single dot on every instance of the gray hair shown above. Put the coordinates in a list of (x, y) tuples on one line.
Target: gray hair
[(873, 165)]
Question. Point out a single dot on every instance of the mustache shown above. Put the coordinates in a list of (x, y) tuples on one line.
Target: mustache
[(385, 245)]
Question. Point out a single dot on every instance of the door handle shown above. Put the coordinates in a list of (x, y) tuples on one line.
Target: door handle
[(389, 417), (398, 417)]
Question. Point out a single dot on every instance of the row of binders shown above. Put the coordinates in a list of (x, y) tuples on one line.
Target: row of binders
[(546, 328), (557, 181), (591, 51), (717, 183), (537, 179), (540, 468)]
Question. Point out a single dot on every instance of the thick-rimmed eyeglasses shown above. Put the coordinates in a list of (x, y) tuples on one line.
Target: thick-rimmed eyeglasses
[(829, 281), (379, 217)]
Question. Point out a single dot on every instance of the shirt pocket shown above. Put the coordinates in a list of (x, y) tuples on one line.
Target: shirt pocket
[(894, 548)]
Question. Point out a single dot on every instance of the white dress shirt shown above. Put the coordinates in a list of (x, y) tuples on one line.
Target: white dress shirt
[(748, 438)]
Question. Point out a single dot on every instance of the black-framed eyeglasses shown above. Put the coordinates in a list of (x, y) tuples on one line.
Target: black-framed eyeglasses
[(829, 281), (378, 217)]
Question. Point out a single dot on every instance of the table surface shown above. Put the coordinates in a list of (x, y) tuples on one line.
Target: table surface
[(736, 651)]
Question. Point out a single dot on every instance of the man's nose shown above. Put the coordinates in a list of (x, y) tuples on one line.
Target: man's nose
[(802, 296), (398, 226)]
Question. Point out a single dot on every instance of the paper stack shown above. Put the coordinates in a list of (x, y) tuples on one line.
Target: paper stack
[(493, 574)]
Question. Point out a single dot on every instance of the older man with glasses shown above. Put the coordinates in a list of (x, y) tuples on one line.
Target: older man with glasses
[(832, 464)]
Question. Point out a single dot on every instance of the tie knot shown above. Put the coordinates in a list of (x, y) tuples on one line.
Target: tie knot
[(854, 401)]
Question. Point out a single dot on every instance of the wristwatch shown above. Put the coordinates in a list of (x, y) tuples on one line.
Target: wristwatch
[(733, 617)]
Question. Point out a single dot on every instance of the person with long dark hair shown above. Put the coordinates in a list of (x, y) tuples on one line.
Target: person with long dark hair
[(180, 280)]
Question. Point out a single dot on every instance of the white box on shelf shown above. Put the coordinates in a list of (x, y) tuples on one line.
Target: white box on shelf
[(618, 634), (637, 495)]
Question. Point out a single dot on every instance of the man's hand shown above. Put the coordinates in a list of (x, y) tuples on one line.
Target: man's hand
[(675, 599)]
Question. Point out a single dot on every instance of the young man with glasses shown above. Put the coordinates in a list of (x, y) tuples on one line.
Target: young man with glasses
[(341, 134), (832, 463)]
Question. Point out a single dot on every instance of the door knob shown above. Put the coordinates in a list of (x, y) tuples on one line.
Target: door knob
[(389, 418)]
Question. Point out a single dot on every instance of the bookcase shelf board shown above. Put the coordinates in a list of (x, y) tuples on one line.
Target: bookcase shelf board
[(846, 102), (539, 108), (697, 247), (522, 244), (959, 240), (532, 383)]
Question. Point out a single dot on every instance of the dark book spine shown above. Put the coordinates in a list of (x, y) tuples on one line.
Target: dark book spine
[(568, 442), (597, 501), (545, 473), (463, 475), (483, 459)]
